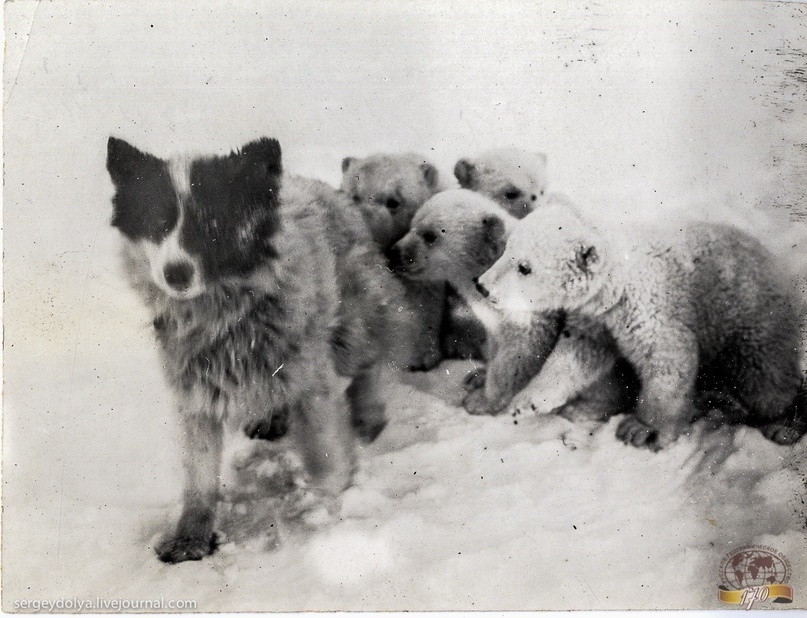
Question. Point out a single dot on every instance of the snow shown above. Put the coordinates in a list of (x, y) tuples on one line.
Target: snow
[(654, 111)]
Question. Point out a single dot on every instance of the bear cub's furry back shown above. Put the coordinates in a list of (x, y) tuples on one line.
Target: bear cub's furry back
[(703, 307)]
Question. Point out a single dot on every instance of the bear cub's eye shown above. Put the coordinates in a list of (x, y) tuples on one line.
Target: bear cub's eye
[(524, 269), (512, 194), (357, 198), (429, 237), (392, 203)]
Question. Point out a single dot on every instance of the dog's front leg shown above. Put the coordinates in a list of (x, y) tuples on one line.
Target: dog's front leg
[(194, 536)]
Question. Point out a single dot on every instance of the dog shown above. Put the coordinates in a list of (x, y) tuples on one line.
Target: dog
[(269, 300)]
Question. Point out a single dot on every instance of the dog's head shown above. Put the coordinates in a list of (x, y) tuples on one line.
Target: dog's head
[(197, 221)]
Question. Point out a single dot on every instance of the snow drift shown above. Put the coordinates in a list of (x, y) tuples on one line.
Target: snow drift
[(658, 111)]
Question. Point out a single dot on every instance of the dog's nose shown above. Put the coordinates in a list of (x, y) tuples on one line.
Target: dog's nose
[(481, 289), (178, 275)]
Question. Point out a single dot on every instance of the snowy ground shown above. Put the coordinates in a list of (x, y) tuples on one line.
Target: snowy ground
[(645, 109)]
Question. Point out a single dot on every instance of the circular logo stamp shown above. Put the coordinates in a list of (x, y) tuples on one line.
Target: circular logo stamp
[(755, 573)]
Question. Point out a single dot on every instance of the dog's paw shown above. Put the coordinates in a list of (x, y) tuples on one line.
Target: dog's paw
[(475, 379), (633, 431), (181, 548), (311, 507)]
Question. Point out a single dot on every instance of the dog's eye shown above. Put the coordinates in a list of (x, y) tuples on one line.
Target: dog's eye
[(524, 269), (429, 237), (393, 204), (512, 194)]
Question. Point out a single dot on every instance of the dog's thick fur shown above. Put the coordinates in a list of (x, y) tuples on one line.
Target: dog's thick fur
[(269, 299), (701, 307)]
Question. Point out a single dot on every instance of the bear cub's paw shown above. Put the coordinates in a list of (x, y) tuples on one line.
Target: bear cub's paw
[(781, 433), (633, 431), (477, 404), (475, 379)]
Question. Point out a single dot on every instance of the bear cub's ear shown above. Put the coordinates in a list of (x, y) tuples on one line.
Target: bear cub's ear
[(586, 258), (347, 162), (430, 175), (464, 172), (493, 238)]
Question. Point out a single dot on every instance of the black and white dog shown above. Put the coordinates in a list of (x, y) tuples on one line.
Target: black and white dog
[(268, 301)]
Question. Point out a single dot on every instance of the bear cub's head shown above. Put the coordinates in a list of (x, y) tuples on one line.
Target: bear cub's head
[(553, 260), (514, 178), (455, 237), (389, 189)]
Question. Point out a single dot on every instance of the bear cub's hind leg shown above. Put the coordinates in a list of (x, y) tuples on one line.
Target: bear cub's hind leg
[(792, 425)]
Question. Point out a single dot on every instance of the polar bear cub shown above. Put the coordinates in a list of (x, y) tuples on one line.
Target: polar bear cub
[(702, 307), (455, 237), (514, 178), (388, 189)]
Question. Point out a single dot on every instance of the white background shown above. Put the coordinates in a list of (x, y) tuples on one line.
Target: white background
[(693, 108)]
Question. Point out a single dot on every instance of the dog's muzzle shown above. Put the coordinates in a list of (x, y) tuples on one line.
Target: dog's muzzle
[(179, 275)]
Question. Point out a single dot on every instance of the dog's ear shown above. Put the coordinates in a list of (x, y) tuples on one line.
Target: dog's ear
[(493, 238), (124, 161), (430, 175), (346, 163), (263, 156), (464, 172)]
